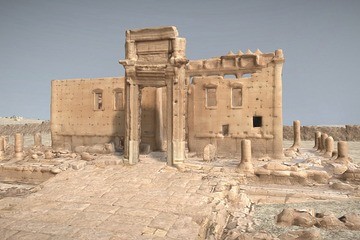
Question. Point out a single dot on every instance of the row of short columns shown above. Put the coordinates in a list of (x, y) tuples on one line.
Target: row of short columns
[(19, 144), (297, 136), (324, 144)]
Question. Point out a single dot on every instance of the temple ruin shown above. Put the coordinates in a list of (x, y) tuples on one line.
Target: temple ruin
[(168, 103)]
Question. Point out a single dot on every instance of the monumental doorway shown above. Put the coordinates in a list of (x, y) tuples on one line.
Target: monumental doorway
[(155, 58)]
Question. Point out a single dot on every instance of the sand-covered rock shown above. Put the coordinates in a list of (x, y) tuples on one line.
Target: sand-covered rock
[(290, 216), (351, 221)]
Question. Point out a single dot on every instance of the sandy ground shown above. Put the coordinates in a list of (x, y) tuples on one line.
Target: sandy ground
[(354, 148)]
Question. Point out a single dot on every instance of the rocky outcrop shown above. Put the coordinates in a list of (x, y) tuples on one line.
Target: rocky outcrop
[(344, 133), (27, 128)]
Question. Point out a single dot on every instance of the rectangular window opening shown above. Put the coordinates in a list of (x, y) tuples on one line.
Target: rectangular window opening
[(98, 101), (246, 75), (191, 80), (211, 97), (257, 121), (236, 95), (118, 100), (230, 76), (225, 130)]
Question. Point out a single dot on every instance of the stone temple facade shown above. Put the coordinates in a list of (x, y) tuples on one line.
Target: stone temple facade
[(168, 103)]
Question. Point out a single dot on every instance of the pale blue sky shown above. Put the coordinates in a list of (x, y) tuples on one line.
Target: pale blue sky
[(41, 40)]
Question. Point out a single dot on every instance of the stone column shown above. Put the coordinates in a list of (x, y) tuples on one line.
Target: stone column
[(329, 144), (179, 115), (19, 143), (133, 123), (317, 135), (159, 120), (246, 164), (37, 140), (324, 136), (277, 100), (343, 152), (297, 136), (169, 121), (319, 147)]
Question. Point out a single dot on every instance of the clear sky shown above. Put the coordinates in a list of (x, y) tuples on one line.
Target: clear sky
[(41, 40)]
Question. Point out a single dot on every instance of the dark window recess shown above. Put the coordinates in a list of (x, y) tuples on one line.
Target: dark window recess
[(98, 100), (225, 130), (211, 97), (257, 121)]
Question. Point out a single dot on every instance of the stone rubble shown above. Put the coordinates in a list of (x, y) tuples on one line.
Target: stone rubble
[(208, 199)]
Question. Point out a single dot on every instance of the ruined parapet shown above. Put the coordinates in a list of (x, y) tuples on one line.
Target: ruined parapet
[(19, 145), (297, 136), (233, 61), (246, 164), (329, 147), (343, 153), (317, 135), (37, 140)]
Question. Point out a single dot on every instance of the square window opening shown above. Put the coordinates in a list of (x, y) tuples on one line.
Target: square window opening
[(257, 121), (225, 130)]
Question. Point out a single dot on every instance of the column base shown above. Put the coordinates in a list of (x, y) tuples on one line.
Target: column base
[(133, 152), (179, 151)]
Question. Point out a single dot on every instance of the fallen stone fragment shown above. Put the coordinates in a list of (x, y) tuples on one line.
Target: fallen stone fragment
[(341, 186), (336, 168), (87, 156), (78, 164), (313, 234), (330, 221), (351, 221), (55, 170), (290, 216), (209, 153), (49, 154)]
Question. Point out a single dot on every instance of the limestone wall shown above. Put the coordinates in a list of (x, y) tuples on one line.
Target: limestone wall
[(346, 133), (77, 117), (235, 97)]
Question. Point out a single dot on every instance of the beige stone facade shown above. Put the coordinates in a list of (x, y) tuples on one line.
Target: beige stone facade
[(84, 111), (170, 103)]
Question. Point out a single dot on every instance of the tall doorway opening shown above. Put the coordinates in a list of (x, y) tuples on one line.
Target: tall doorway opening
[(153, 120)]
